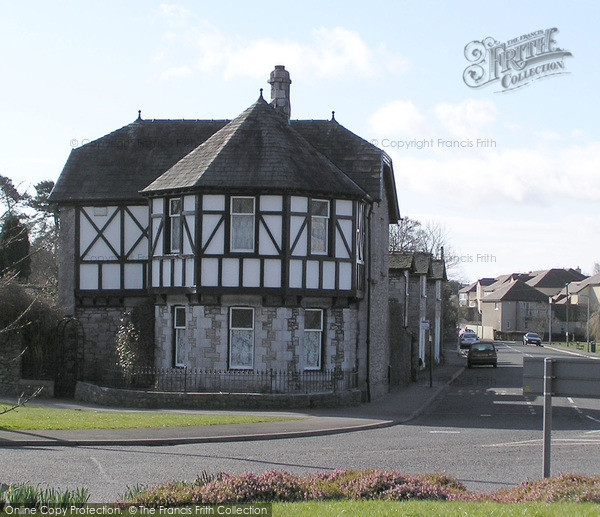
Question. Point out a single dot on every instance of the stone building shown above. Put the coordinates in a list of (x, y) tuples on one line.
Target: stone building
[(259, 242), (416, 282)]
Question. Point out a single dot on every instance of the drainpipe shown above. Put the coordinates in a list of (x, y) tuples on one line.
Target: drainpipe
[(368, 378)]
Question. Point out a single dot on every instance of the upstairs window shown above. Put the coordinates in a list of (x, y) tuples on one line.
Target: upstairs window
[(179, 324), (241, 338), (313, 338), (319, 226), (242, 224), (174, 225)]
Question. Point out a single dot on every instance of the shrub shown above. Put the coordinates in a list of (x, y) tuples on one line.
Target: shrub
[(33, 496)]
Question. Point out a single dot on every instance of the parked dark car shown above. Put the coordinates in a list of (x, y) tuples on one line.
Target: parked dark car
[(467, 338), (482, 353), (532, 338)]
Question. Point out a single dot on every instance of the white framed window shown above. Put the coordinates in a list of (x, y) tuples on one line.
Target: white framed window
[(241, 338), (319, 226), (242, 224), (175, 225), (179, 327), (313, 338)]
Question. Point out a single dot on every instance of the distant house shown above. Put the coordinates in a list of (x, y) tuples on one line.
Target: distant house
[(416, 281), (260, 242), (515, 303)]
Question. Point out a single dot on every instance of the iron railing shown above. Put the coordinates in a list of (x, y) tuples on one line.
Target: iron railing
[(193, 380)]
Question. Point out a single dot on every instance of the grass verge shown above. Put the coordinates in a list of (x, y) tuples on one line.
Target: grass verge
[(433, 509), (577, 346), (34, 417)]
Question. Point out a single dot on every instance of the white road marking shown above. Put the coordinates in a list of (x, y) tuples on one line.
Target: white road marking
[(592, 418), (101, 469), (485, 415), (563, 441), (444, 432)]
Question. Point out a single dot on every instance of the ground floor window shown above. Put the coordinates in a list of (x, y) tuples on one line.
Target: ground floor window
[(313, 338), (241, 338), (179, 325)]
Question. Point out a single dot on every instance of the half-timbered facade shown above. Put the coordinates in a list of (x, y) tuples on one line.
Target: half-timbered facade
[(260, 241)]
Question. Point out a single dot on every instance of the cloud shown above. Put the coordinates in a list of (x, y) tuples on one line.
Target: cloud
[(401, 118), (329, 52), (536, 176), (465, 120)]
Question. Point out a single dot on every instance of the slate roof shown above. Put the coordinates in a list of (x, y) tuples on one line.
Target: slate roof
[(438, 270), (422, 263), (120, 164), (257, 150), (398, 260), (555, 278), (517, 291)]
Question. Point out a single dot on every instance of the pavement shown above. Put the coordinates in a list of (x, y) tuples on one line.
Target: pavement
[(398, 406)]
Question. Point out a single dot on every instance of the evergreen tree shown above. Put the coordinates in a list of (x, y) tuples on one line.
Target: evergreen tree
[(14, 247)]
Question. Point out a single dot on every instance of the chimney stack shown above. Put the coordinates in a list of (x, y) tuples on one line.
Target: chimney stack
[(280, 90)]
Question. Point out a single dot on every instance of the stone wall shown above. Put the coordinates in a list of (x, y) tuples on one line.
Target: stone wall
[(10, 364), (66, 259), (278, 335), (379, 354), (100, 325), (87, 392)]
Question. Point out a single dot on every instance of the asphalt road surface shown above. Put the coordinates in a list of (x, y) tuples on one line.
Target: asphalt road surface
[(482, 430)]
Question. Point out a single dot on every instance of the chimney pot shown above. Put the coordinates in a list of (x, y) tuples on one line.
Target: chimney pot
[(280, 90)]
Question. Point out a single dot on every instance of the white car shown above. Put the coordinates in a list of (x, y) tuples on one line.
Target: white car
[(467, 338)]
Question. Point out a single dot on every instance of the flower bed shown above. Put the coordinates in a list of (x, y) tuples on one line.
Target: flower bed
[(369, 484)]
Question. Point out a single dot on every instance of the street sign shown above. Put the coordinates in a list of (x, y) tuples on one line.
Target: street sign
[(571, 377), (559, 377)]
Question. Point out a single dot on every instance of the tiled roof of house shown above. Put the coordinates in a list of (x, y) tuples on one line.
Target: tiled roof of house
[(257, 150), (468, 288), (555, 278), (120, 164), (517, 291)]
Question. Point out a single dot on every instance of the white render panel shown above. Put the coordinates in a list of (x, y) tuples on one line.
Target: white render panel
[(140, 252), (343, 207), (265, 244), (329, 275), (140, 213), (209, 272), (271, 203), (178, 273), (299, 204), (312, 274), (134, 276), (295, 273), (166, 277), (88, 276), (155, 273), (100, 251), (231, 272), (159, 243), (272, 273), (274, 224), (111, 276), (340, 249), (345, 275), (157, 205), (251, 273), (209, 223), (113, 233), (189, 272), (86, 233), (189, 203), (188, 247), (301, 246), (213, 202)]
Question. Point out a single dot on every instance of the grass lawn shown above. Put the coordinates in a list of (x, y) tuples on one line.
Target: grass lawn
[(573, 346), (433, 509), (32, 417)]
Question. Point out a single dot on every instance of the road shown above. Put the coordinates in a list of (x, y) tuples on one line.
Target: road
[(482, 430)]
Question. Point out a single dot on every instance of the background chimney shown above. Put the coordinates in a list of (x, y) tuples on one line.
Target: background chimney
[(280, 90)]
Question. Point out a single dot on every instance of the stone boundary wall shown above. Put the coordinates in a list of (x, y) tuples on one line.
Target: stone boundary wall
[(114, 397)]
